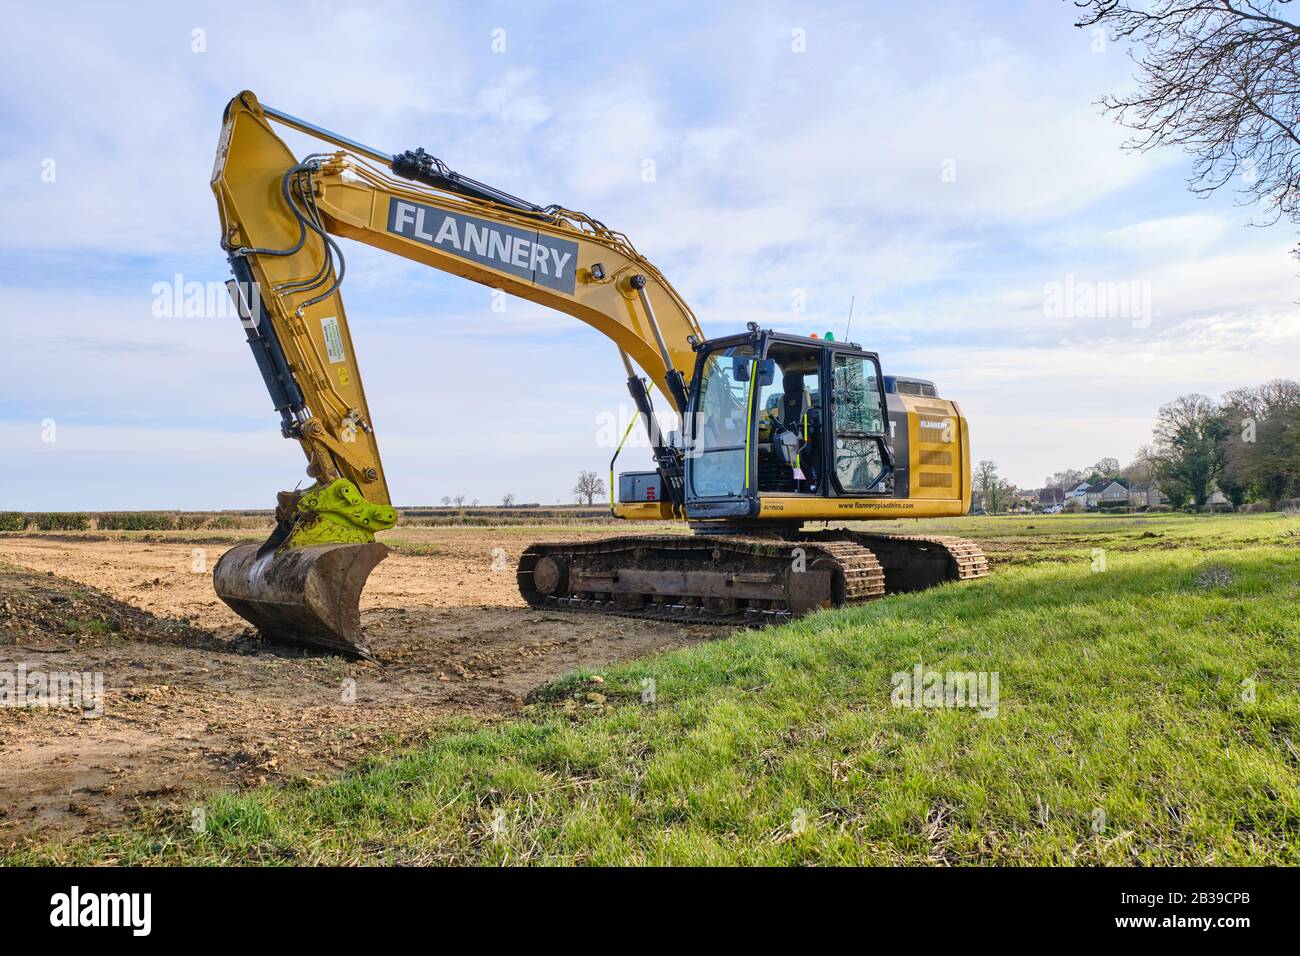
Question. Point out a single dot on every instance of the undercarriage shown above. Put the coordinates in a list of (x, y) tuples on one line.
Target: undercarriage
[(742, 579)]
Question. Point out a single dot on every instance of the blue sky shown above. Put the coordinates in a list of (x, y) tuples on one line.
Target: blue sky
[(944, 166)]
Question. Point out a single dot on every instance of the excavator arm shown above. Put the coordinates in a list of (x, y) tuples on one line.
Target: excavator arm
[(280, 217)]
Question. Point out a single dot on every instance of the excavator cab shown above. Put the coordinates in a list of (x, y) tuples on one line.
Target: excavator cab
[(775, 416)]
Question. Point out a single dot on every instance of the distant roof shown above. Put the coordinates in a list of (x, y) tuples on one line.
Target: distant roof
[(1101, 486)]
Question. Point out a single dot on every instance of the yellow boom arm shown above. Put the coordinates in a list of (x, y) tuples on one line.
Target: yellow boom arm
[(278, 215)]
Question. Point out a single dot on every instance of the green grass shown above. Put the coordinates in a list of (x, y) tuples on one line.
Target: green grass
[(1121, 693)]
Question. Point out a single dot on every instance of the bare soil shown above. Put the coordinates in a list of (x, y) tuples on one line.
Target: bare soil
[(194, 702)]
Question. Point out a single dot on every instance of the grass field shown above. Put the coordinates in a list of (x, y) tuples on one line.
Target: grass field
[(1148, 711)]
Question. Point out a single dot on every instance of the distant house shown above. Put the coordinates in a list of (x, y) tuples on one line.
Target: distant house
[(1025, 500), (1146, 497), (1108, 492), (1078, 494), (1051, 497)]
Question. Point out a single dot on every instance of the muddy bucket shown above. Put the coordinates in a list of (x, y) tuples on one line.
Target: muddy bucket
[(305, 596)]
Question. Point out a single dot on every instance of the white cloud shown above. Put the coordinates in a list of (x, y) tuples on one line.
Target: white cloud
[(1180, 235), (513, 100)]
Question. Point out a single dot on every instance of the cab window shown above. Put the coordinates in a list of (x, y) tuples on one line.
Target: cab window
[(859, 420), (716, 460), (858, 408)]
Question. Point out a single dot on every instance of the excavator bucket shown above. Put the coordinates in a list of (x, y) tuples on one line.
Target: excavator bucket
[(307, 596)]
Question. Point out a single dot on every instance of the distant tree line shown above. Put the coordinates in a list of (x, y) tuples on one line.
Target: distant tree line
[(1247, 445), (590, 486)]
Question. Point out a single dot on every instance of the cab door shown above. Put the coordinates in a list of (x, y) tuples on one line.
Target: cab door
[(861, 461), (720, 455)]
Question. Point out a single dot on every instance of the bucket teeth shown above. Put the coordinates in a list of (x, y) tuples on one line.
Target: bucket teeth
[(307, 596)]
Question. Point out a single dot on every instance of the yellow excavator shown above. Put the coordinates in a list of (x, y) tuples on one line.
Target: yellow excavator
[(775, 430)]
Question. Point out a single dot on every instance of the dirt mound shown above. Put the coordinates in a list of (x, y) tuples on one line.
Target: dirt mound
[(45, 611)]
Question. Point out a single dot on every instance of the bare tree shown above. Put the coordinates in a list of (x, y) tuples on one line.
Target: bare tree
[(1259, 401), (446, 500), (990, 489), (1218, 78), (1138, 472), (507, 500), (1107, 467), (1067, 479), (588, 487), (458, 501)]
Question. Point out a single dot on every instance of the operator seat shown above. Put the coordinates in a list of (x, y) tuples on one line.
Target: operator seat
[(795, 402)]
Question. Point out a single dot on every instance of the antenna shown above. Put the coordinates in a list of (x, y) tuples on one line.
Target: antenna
[(850, 321)]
